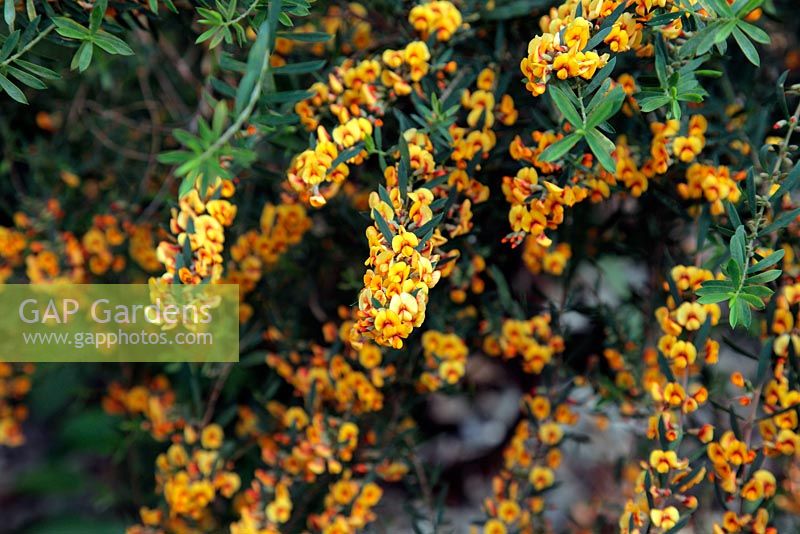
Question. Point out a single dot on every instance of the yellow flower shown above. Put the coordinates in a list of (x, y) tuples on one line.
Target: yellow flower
[(687, 148), (663, 461), (682, 354), (211, 436), (541, 478), (666, 518), (576, 35), (494, 526), (550, 433), (405, 243)]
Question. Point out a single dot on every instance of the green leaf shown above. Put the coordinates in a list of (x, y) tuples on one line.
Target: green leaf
[(754, 32), (750, 186), (601, 76), (220, 117), (82, 57), (188, 140), (787, 186), (303, 67), (383, 226), (602, 147), (763, 278), (609, 106), (783, 220), (733, 271), (12, 90), (210, 16), (703, 224), (285, 97), (739, 313), (781, 93), (700, 42), (559, 148), (10, 13), (764, 359), (383, 194), (722, 8), (186, 185), (747, 47), (708, 36), (428, 228), (713, 298), (37, 70), (112, 44), (9, 45), (27, 79), (661, 61), (404, 166), (758, 291), (743, 7), (769, 261), (752, 300), (564, 105), (265, 43), (715, 285), (738, 246), (206, 35), (306, 37), (598, 97), (69, 28), (96, 17), (702, 334), (663, 365), (664, 19), (273, 15), (345, 155), (598, 37), (680, 524), (174, 157), (733, 215), (652, 103)]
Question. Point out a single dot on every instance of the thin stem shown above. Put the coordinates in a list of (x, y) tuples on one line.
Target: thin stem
[(243, 15), (27, 47), (784, 148), (234, 128), (761, 210)]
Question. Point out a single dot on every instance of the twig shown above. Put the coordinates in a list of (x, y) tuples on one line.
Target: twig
[(216, 392), (27, 47)]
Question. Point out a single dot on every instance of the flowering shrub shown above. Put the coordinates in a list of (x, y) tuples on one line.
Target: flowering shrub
[(419, 209)]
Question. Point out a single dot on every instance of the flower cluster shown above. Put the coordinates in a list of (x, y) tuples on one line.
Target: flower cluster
[(439, 18), (636, 164), (191, 475), (198, 230), (153, 402), (713, 184), (401, 268), (539, 258), (673, 378), (52, 257), (563, 51), (530, 460), (445, 356), (15, 383), (532, 341)]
